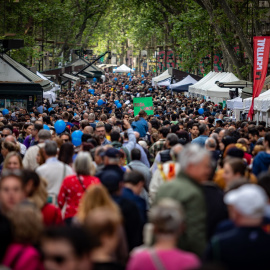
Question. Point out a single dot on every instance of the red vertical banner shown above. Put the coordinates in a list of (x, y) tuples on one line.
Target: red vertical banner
[(261, 47)]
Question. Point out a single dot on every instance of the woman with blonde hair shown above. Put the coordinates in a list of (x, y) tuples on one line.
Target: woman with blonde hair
[(27, 227), (8, 147), (95, 196), (13, 161), (74, 186)]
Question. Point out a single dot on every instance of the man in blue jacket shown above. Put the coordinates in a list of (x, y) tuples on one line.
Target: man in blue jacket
[(141, 125)]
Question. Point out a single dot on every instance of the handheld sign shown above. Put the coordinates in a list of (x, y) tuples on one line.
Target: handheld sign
[(143, 103)]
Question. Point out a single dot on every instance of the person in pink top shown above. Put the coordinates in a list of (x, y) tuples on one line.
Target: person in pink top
[(167, 220), (26, 222), (74, 186)]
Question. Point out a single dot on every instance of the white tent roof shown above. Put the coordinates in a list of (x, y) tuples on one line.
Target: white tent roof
[(166, 82), (247, 102), (235, 103), (165, 75), (55, 86), (193, 88), (124, 69), (216, 91), (50, 96), (262, 102), (187, 80)]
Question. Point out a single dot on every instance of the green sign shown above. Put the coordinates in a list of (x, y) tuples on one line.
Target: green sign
[(143, 103)]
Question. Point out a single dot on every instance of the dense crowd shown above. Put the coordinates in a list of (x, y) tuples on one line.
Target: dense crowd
[(184, 188)]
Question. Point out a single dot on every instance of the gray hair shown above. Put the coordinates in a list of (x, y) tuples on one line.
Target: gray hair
[(192, 154), (83, 164), (117, 129), (167, 216), (50, 148), (91, 116), (44, 135), (211, 143), (10, 131), (175, 150)]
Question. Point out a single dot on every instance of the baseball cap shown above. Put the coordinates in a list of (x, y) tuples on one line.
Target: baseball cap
[(112, 153), (111, 180), (250, 200)]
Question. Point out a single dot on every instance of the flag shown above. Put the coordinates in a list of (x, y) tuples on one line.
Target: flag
[(261, 47)]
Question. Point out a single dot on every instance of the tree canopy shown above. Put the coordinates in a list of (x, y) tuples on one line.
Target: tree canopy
[(192, 29)]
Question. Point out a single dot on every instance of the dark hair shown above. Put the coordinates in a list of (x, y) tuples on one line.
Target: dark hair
[(50, 148), (164, 131), (86, 137), (172, 139), (253, 132), (202, 128), (135, 154), (108, 128), (76, 236), (66, 153), (38, 127), (174, 117), (267, 138), (115, 136), (29, 175), (133, 177), (84, 123)]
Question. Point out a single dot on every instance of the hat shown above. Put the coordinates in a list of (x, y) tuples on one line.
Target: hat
[(249, 200), (112, 153)]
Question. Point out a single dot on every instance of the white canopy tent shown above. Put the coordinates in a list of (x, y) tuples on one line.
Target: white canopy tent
[(247, 102), (166, 82), (123, 69), (193, 89), (165, 75), (185, 81), (235, 103)]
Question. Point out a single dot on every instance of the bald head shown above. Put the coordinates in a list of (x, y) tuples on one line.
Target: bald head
[(88, 130), (11, 139), (211, 144)]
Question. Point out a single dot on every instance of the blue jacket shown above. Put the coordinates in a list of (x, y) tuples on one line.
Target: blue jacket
[(261, 163), (140, 126)]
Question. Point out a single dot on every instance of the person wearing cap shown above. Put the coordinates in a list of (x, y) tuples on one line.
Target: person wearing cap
[(112, 177), (245, 246)]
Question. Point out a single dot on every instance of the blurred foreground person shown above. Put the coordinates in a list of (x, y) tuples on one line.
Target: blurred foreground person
[(246, 246), (186, 188), (27, 228), (66, 248), (104, 227), (11, 190), (167, 218)]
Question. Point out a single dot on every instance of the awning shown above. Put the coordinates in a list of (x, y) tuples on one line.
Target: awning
[(90, 73), (79, 75), (70, 77), (235, 84)]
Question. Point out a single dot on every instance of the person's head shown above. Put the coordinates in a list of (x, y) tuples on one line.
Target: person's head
[(99, 155), (50, 149), (244, 127), (83, 164), (135, 181), (44, 135), (36, 129), (135, 154), (13, 161), (234, 168), (66, 153), (253, 135), (6, 132), (7, 147), (211, 144), (103, 226), (112, 156), (195, 130), (100, 131), (65, 137), (203, 129), (167, 217), (95, 196), (246, 205), (11, 189), (142, 114), (171, 140), (31, 182), (91, 117), (195, 161), (163, 132), (115, 136), (26, 223), (27, 128), (66, 248)]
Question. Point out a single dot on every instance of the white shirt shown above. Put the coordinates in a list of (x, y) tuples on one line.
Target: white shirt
[(54, 171)]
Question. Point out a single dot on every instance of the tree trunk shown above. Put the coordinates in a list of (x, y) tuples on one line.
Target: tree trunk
[(238, 29), (227, 47)]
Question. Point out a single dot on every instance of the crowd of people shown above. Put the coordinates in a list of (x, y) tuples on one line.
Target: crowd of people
[(184, 188)]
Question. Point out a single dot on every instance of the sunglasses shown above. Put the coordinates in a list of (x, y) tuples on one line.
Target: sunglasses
[(5, 135), (59, 259)]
